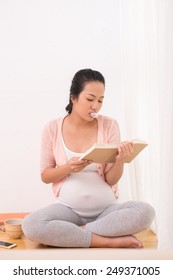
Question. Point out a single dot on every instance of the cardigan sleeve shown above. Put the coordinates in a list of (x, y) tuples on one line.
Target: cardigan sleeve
[(112, 137), (47, 158)]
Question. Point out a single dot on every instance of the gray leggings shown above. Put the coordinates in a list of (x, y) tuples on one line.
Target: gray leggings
[(58, 225)]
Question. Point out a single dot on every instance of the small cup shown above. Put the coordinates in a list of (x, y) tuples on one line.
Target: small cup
[(13, 227)]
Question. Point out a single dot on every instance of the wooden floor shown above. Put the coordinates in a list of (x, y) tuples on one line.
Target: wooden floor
[(148, 238), (27, 249)]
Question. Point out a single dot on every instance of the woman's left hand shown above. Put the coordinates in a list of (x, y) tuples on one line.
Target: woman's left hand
[(125, 149)]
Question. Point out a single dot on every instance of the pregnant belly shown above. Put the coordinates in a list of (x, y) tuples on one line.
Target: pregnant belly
[(86, 194)]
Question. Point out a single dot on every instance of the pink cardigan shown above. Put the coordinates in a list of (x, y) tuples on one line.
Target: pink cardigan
[(52, 150)]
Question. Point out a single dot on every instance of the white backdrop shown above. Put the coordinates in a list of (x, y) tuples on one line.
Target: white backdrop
[(42, 44)]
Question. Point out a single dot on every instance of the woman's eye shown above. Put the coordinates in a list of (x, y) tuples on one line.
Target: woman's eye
[(100, 101)]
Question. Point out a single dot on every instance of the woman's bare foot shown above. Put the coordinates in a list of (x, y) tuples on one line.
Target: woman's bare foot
[(128, 241)]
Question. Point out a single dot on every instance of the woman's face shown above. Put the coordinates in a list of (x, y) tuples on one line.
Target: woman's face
[(90, 100)]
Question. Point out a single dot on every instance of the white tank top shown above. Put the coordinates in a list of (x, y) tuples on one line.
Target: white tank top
[(85, 192)]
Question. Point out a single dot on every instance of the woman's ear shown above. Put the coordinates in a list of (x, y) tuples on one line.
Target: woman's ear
[(72, 98)]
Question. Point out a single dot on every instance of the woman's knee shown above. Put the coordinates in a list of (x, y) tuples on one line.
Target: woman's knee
[(29, 226), (147, 214)]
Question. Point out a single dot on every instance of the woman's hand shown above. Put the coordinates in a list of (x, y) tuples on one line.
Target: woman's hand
[(125, 149), (54, 175), (76, 165), (114, 174)]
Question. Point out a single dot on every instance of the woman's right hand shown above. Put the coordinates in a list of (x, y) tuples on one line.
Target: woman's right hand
[(76, 165), (54, 175)]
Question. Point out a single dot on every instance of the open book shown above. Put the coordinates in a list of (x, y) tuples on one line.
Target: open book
[(106, 153)]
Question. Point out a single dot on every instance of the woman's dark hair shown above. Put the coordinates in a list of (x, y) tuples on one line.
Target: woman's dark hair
[(79, 81)]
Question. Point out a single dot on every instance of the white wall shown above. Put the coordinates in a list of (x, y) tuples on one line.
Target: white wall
[(42, 45)]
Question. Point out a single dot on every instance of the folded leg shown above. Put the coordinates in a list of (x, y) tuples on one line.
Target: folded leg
[(56, 225), (122, 219)]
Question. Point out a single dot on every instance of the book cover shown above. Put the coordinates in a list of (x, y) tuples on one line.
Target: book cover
[(106, 153)]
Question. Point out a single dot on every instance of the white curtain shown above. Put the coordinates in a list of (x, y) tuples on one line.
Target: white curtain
[(147, 90)]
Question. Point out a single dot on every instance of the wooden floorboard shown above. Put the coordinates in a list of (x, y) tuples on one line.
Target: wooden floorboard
[(27, 249), (148, 238)]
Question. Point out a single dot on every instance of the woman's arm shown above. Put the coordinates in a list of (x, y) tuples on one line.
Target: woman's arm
[(54, 175), (114, 174)]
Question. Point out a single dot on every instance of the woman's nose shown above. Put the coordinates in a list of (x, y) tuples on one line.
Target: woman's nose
[(94, 105)]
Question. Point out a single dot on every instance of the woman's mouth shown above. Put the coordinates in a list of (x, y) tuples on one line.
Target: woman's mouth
[(94, 115)]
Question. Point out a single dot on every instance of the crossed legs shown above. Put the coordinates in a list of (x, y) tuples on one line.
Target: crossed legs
[(58, 225)]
